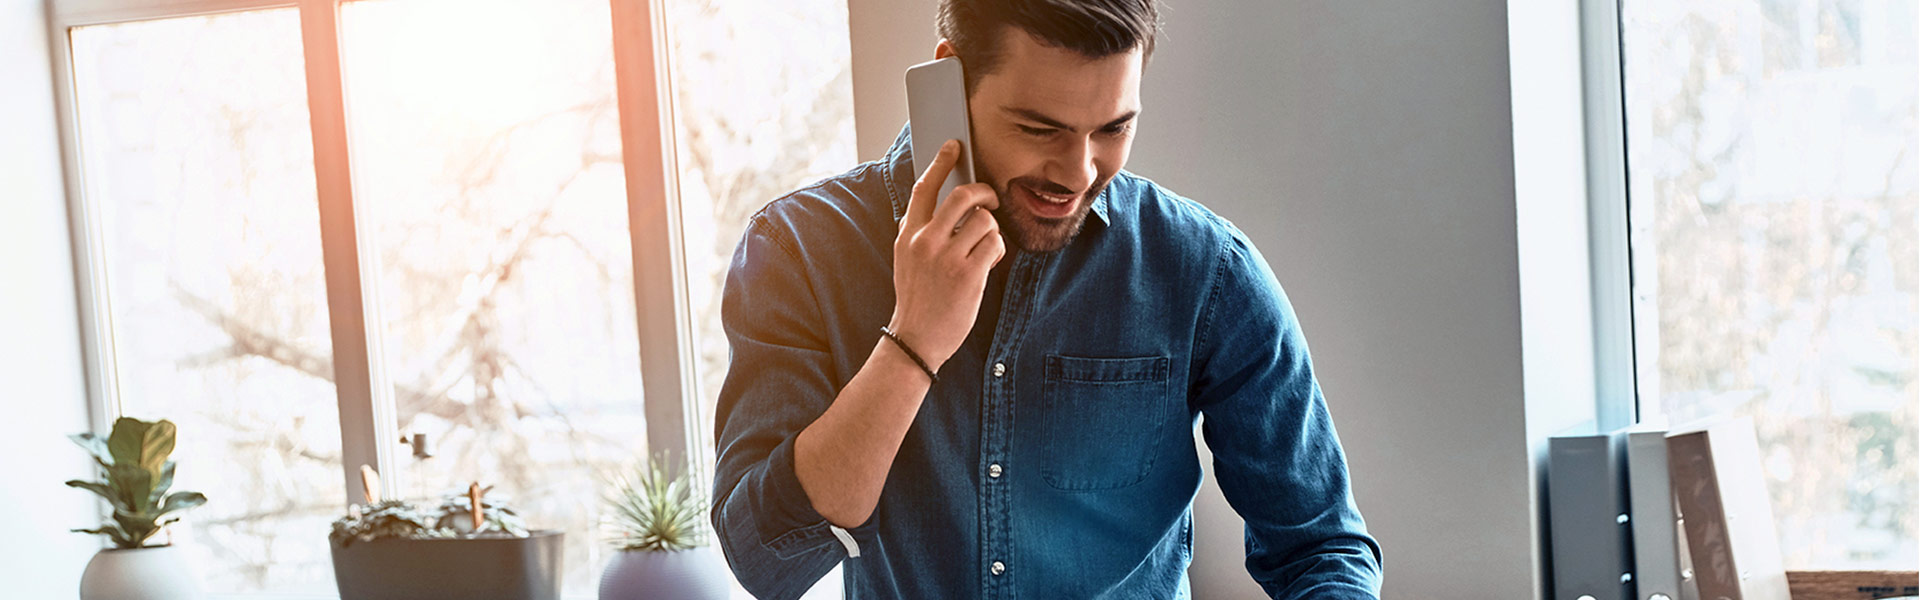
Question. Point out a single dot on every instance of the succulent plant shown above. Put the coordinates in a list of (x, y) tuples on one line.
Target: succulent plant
[(456, 513), (654, 510), (134, 461), (451, 518), (383, 519)]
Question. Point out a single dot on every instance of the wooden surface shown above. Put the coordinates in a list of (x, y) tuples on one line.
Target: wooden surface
[(1852, 585)]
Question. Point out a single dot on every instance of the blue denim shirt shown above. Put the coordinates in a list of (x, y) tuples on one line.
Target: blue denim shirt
[(1055, 457)]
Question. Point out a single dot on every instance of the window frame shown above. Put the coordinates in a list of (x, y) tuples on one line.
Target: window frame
[(364, 394), (1616, 387)]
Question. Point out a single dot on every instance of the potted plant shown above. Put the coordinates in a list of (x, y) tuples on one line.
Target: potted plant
[(658, 524), (462, 547), (136, 475)]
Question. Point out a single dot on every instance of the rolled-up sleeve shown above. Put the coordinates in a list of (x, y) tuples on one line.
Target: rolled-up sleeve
[(1275, 452), (779, 380)]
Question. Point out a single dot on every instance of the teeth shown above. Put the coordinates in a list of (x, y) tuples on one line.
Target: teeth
[(1050, 197)]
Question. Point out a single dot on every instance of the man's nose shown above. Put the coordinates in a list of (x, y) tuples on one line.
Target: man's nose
[(1074, 167)]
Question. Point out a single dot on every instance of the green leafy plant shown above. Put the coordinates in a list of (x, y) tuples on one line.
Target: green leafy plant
[(654, 510), (133, 459)]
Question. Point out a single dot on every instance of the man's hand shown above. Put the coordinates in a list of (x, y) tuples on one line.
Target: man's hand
[(941, 260), (940, 264)]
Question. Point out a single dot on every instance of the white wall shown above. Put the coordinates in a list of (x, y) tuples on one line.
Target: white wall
[(1394, 160), (42, 385)]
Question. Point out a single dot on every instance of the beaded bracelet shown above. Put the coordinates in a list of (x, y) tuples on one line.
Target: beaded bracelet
[(910, 353)]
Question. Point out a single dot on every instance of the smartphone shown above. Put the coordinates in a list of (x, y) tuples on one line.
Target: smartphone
[(937, 112)]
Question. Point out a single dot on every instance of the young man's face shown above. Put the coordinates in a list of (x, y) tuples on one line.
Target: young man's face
[(1050, 128)]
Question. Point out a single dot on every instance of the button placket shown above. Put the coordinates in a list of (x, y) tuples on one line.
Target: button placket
[(996, 428)]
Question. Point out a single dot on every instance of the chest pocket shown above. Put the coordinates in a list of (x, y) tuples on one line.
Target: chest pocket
[(1101, 426)]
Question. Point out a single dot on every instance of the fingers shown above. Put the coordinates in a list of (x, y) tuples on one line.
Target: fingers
[(976, 226), (961, 203), (991, 245), (926, 191)]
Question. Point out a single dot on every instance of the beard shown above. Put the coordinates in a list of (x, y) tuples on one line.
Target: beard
[(1032, 233)]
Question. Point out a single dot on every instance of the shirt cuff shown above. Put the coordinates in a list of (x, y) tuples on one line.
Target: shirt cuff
[(796, 527), (846, 539)]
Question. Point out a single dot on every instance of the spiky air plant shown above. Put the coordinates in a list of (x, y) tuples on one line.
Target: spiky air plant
[(655, 510)]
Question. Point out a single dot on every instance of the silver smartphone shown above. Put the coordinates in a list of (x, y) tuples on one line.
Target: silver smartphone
[(937, 112)]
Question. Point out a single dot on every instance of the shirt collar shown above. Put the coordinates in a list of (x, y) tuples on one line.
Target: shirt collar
[(897, 169)]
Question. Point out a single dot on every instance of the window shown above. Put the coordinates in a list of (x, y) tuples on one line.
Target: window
[(1771, 154), (200, 169), (489, 228), (488, 176), (737, 150)]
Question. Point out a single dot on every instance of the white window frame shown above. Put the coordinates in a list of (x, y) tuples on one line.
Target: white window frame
[(1617, 394), (368, 433)]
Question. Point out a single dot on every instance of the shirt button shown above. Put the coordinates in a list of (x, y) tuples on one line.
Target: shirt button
[(999, 567), (999, 369), (993, 470)]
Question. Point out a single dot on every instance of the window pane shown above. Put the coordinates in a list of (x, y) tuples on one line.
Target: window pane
[(763, 105), (487, 168), (1771, 151), (197, 158)]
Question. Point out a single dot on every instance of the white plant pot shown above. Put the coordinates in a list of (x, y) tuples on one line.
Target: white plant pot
[(161, 573), (697, 574)]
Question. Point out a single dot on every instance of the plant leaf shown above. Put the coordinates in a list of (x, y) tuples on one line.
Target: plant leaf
[(138, 526), (133, 485), (113, 533), (125, 441), (166, 481), (181, 501), (137, 442), (93, 445), (159, 445), (99, 488)]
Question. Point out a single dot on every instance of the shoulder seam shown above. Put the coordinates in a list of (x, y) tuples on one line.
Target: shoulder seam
[(1205, 330), (759, 223), (760, 218)]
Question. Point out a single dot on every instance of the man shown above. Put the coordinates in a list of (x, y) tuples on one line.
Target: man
[(1023, 426)]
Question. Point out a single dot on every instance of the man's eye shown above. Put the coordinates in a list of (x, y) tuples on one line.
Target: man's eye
[(1117, 129), (1034, 131)]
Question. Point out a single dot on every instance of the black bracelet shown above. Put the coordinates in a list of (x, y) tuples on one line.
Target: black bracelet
[(910, 353)]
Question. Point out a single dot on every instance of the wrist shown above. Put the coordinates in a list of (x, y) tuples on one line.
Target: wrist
[(915, 338), (930, 369)]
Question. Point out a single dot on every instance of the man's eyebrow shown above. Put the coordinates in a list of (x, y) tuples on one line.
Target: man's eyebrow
[(1035, 116)]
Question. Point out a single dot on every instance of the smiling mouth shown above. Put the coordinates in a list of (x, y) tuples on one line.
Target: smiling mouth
[(1053, 198)]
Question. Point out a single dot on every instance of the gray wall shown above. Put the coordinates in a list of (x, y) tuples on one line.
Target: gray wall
[(45, 394), (888, 36), (1366, 147), (1369, 148)]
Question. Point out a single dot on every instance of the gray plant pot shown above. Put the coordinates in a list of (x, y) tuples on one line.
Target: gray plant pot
[(403, 569), (697, 574)]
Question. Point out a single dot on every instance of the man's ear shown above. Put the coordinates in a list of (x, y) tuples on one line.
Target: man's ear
[(943, 49)]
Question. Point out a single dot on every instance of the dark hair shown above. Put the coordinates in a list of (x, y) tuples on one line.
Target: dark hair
[(1093, 28)]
